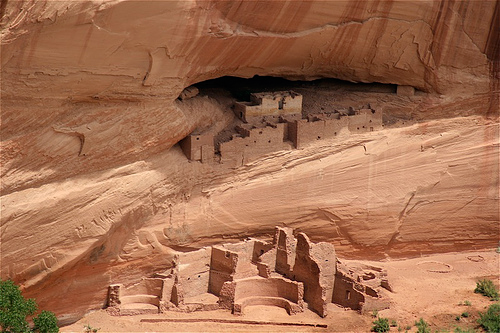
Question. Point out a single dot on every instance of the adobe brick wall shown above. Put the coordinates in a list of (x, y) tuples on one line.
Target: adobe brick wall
[(193, 271), (198, 147), (222, 268), (261, 141), (269, 104), (315, 267)]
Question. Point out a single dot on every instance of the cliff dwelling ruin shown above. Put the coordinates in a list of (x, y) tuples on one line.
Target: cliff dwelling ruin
[(273, 120), (290, 272)]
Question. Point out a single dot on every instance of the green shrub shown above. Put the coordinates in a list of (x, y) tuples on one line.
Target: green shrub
[(46, 322), (14, 309), (381, 325), (422, 326), (490, 320), (394, 323), (487, 288), (465, 314)]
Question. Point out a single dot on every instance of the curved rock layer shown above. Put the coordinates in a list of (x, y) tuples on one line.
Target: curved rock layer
[(95, 190)]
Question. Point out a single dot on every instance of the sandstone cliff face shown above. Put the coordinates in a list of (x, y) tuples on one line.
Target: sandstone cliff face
[(94, 190)]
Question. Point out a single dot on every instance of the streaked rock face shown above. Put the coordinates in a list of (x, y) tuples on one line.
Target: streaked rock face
[(94, 190)]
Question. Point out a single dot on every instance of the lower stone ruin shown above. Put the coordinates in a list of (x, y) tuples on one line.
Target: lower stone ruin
[(289, 272)]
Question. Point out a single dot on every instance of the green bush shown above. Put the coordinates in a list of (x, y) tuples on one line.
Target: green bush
[(465, 314), (14, 309), (46, 322), (381, 325), (487, 288), (490, 320), (422, 326)]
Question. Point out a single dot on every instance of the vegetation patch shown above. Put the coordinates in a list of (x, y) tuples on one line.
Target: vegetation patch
[(422, 326), (381, 325), (490, 320), (487, 288), (14, 310)]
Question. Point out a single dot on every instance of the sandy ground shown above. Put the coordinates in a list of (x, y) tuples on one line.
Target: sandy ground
[(431, 287)]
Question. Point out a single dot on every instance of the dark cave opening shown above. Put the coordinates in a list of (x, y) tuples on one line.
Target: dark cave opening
[(241, 88)]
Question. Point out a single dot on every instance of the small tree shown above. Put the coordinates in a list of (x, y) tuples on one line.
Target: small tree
[(14, 309)]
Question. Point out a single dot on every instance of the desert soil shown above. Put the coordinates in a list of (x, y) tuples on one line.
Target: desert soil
[(432, 287)]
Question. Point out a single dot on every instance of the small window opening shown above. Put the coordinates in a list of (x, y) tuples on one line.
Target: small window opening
[(347, 294), (319, 137), (241, 114), (269, 141), (227, 254), (371, 129), (261, 252), (335, 133), (260, 132), (197, 138), (199, 276), (358, 127)]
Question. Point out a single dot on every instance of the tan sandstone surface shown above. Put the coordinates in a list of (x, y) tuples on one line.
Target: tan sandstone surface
[(95, 189)]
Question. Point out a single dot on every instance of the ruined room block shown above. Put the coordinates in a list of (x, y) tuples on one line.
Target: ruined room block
[(193, 271), (114, 293), (269, 104), (285, 250), (315, 267), (198, 147), (222, 268), (405, 91)]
